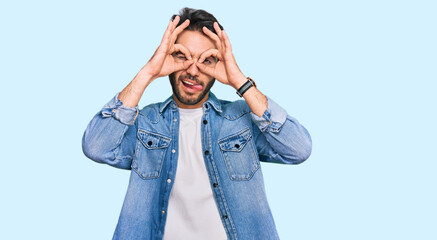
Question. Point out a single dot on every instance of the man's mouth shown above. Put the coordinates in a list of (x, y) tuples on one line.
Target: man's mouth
[(191, 86)]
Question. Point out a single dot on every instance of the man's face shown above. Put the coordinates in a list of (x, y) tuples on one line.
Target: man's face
[(190, 86)]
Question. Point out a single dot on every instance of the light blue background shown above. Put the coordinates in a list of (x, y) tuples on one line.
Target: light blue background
[(359, 75)]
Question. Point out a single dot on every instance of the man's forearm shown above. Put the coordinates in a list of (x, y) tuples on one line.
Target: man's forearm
[(254, 98), (131, 94), (256, 101)]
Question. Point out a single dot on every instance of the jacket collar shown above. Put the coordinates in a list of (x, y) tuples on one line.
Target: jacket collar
[(212, 100)]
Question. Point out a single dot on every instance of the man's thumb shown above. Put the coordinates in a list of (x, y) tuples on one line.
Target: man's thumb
[(205, 69), (184, 65)]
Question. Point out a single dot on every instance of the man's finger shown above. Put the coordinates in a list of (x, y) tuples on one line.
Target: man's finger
[(212, 35), (175, 22), (205, 69), (179, 29), (220, 35), (227, 42), (167, 32), (209, 53), (182, 49), (217, 29), (183, 65)]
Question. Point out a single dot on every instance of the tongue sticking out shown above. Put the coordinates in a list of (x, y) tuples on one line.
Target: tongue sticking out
[(196, 87)]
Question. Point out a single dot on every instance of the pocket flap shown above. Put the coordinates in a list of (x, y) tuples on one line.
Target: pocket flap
[(152, 140), (235, 142)]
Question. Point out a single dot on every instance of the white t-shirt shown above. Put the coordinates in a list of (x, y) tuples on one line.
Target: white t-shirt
[(192, 211)]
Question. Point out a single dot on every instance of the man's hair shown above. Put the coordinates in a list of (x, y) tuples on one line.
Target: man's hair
[(198, 19)]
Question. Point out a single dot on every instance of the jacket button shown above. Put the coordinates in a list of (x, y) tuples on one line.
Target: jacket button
[(205, 122), (149, 143), (215, 184), (237, 146), (225, 216), (206, 152)]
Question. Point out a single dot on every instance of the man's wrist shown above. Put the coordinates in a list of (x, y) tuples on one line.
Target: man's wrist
[(246, 86), (145, 75), (239, 82)]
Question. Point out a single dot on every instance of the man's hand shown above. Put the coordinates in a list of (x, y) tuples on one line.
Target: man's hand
[(162, 63), (226, 70)]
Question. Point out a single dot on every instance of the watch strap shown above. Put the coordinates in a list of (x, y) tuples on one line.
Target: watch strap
[(248, 84)]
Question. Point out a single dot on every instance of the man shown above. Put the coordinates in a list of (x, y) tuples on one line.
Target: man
[(195, 159)]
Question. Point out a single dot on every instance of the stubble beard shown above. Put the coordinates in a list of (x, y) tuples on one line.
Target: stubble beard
[(185, 100)]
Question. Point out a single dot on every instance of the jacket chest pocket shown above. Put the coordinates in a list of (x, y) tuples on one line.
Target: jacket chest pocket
[(149, 154), (239, 155)]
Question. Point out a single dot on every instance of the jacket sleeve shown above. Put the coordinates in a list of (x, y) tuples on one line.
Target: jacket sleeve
[(110, 137), (281, 138)]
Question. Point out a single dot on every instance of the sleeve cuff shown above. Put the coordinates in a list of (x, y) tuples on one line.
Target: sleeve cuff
[(116, 109), (272, 119)]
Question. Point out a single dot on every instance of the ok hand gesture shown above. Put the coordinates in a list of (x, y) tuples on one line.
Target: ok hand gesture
[(226, 70), (162, 63)]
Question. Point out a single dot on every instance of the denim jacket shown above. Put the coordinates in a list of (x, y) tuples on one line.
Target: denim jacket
[(234, 141)]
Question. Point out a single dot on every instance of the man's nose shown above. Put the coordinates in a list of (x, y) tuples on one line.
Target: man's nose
[(193, 70)]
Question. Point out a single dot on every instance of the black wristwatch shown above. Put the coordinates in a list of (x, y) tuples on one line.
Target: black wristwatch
[(246, 86)]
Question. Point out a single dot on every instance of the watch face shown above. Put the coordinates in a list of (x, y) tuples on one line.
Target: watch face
[(246, 86), (251, 80)]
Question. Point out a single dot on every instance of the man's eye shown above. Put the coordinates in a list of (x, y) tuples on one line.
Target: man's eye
[(181, 56), (209, 60)]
